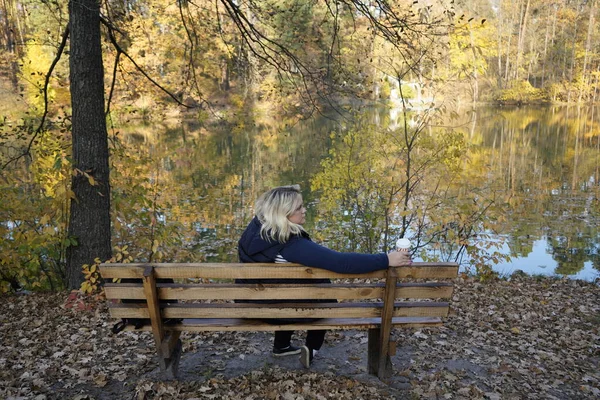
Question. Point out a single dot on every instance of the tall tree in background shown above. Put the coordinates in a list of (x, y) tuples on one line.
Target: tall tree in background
[(90, 209), (10, 35)]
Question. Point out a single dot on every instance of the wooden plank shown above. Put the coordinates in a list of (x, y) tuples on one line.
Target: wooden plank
[(230, 291), (153, 308), (384, 368), (219, 291), (283, 310), (266, 271), (274, 292), (237, 324), (125, 291), (421, 270)]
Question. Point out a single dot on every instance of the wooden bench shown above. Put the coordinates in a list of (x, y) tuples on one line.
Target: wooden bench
[(371, 305)]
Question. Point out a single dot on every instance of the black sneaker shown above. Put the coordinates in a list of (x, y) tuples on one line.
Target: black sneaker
[(286, 351), (306, 356)]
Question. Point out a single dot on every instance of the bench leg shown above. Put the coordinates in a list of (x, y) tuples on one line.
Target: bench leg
[(373, 358), (169, 364)]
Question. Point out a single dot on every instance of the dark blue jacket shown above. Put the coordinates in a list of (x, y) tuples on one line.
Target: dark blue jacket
[(300, 249)]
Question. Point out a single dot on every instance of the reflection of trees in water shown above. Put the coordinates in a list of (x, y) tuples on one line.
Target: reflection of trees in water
[(572, 245), (596, 262), (389, 179), (549, 161), (211, 176), (569, 257)]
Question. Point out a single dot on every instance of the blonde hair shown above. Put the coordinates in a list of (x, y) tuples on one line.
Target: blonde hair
[(273, 209)]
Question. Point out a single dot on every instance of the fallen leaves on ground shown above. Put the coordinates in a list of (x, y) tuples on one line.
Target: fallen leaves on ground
[(526, 338)]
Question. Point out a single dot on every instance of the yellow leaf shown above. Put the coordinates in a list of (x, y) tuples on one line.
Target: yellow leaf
[(515, 330), (91, 180), (93, 268)]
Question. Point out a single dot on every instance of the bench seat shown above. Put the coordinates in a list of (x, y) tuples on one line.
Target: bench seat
[(205, 297)]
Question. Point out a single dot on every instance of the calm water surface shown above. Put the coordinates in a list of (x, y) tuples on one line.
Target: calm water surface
[(546, 160)]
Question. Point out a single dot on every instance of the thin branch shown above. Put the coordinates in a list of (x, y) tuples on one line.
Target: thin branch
[(113, 40), (112, 84)]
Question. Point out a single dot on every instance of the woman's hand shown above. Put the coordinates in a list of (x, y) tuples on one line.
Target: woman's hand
[(399, 258)]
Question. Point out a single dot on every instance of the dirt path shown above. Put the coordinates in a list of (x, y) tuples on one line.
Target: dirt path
[(521, 339)]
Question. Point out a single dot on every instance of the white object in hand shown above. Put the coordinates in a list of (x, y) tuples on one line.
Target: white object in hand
[(403, 244)]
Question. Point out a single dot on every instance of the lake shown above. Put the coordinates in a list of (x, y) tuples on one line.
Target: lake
[(542, 164)]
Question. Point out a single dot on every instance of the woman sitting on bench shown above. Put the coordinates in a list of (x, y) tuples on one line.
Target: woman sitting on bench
[(276, 235)]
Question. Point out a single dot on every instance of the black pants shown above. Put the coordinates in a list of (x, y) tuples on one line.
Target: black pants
[(314, 339)]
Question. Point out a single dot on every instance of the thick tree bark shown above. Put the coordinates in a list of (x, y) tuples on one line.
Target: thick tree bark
[(89, 220)]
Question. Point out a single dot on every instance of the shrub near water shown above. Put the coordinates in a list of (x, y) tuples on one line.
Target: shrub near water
[(34, 215), (521, 92)]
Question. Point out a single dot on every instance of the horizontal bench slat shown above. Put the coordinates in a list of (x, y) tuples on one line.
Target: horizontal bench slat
[(219, 291), (266, 271), (282, 310), (236, 324)]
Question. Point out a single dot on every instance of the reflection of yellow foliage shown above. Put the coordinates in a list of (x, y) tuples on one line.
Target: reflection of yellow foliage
[(36, 62), (267, 138), (520, 118)]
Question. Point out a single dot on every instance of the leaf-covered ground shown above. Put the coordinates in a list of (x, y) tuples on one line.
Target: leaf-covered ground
[(525, 338)]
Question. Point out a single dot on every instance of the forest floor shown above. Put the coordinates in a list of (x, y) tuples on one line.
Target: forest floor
[(522, 338)]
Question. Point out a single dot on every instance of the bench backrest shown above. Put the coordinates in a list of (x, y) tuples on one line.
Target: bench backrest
[(206, 290)]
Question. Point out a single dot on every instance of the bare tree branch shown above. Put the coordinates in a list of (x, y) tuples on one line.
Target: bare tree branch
[(113, 40), (114, 80)]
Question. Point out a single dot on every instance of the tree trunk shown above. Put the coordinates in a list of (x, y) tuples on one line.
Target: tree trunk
[(596, 87), (521, 41), (9, 22), (89, 220), (475, 96), (544, 57), (572, 66), (499, 45), (583, 85), (508, 44), (552, 42)]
